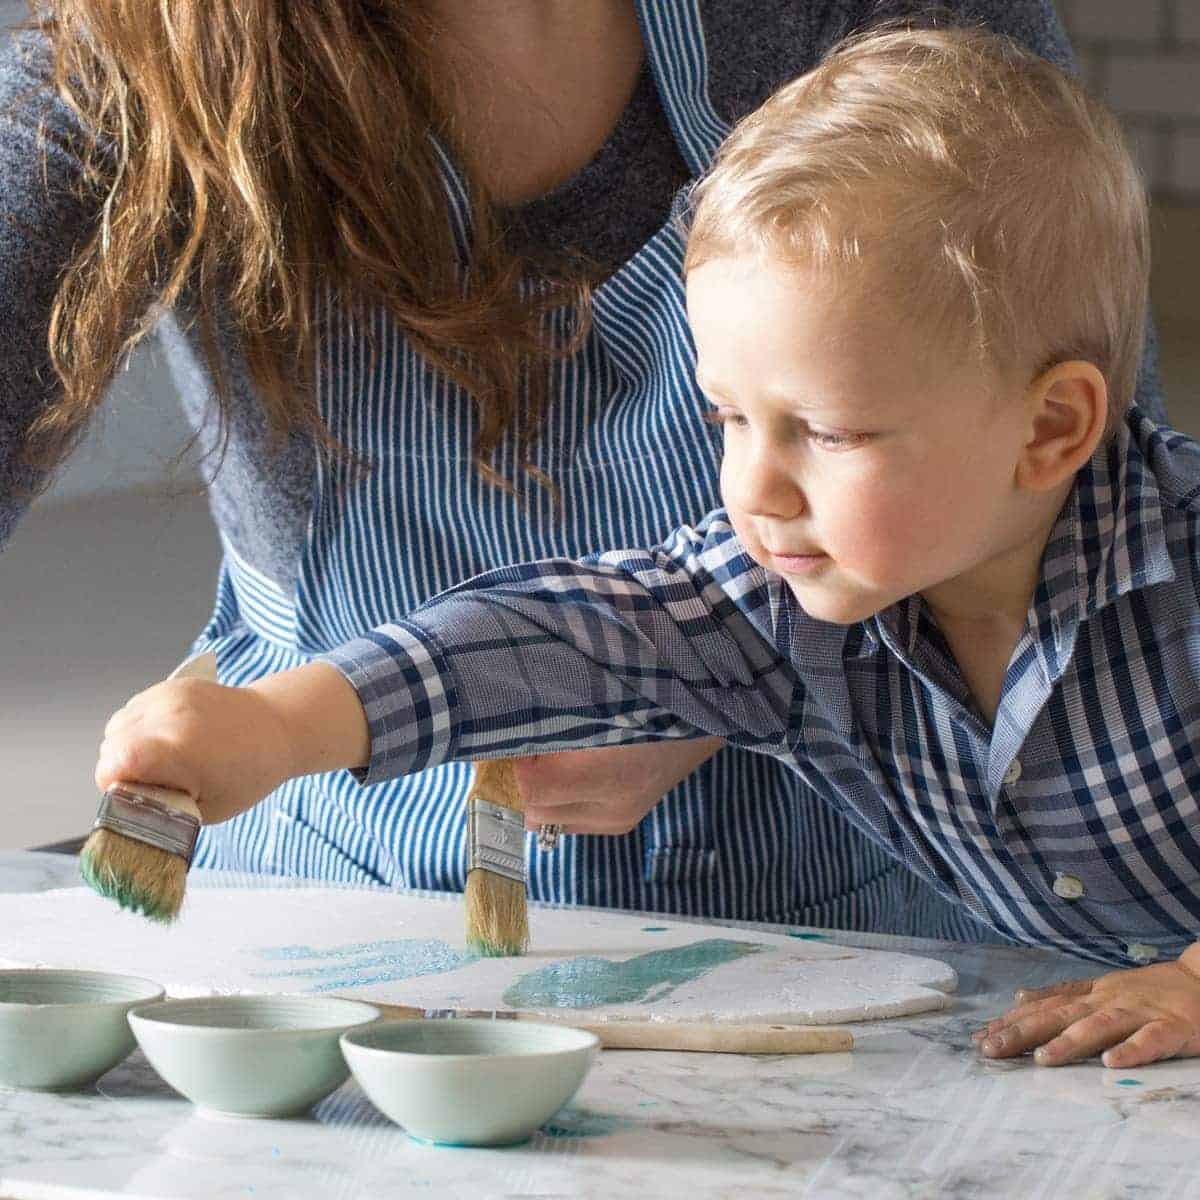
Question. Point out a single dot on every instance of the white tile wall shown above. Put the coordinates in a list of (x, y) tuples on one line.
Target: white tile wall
[(1187, 21), (1114, 20), (1150, 147), (1185, 178), (1157, 84), (1143, 57)]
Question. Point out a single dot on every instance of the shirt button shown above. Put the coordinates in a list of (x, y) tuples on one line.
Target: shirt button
[(1068, 887), (1014, 772), (1141, 952)]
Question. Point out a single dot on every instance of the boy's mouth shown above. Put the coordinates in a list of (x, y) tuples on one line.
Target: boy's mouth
[(798, 564)]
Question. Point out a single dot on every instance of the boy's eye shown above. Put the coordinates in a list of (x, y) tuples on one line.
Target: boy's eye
[(836, 441), (723, 417), (826, 439)]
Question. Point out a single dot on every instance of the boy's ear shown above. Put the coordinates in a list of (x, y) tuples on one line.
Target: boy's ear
[(1067, 409)]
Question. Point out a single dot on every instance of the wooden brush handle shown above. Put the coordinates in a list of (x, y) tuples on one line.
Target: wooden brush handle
[(718, 1038), (199, 666), (495, 781), (705, 1037)]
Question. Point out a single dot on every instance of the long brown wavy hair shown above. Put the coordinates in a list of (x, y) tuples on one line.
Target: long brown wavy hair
[(244, 152)]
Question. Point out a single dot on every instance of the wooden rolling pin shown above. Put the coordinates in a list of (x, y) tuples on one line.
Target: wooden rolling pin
[(712, 1037)]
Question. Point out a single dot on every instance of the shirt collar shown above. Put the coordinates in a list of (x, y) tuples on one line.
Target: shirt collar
[(1109, 540)]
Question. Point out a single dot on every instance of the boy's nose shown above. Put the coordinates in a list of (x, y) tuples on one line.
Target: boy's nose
[(762, 489)]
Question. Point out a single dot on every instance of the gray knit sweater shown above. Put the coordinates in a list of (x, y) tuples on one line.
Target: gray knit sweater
[(261, 501)]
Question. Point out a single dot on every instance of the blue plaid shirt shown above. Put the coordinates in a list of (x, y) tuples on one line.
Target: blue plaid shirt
[(1070, 822)]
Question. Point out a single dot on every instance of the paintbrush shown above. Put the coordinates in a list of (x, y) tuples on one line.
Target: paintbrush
[(497, 911), (724, 1037), (142, 840)]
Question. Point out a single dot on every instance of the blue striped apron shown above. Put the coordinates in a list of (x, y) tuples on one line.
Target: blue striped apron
[(631, 459)]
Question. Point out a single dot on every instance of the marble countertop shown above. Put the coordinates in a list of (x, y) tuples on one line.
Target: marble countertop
[(912, 1112)]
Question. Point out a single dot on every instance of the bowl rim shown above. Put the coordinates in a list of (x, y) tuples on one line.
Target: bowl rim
[(349, 1040), (157, 1014), (156, 991)]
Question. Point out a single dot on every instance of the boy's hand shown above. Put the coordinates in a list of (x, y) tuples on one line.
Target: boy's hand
[(606, 790), (226, 747), (1144, 1014)]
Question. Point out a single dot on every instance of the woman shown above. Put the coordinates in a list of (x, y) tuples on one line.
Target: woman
[(288, 192)]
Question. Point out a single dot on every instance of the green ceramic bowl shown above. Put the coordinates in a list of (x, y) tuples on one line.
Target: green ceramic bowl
[(464, 1082), (61, 1030), (250, 1056)]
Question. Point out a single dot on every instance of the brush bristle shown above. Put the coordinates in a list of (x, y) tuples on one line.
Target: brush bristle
[(497, 911), (143, 879), (497, 915)]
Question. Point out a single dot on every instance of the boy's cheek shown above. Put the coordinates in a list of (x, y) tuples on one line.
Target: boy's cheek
[(746, 534), (875, 544)]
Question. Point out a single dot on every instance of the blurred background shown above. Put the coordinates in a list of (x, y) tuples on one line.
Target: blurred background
[(1143, 57), (110, 576)]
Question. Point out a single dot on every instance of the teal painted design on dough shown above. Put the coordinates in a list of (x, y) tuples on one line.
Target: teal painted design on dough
[(359, 963), (591, 982)]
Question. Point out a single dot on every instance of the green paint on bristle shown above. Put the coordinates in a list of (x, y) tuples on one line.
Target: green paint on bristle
[(495, 949), (124, 891)]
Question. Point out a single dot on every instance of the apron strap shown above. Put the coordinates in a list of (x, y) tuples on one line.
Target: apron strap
[(673, 34), (459, 204)]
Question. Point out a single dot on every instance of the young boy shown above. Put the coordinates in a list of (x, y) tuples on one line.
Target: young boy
[(955, 581)]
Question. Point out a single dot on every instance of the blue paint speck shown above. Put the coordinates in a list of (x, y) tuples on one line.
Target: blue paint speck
[(579, 1122), (654, 928), (807, 937), (1129, 1083)]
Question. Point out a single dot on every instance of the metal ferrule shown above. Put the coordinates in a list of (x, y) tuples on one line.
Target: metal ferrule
[(495, 839), (155, 824)]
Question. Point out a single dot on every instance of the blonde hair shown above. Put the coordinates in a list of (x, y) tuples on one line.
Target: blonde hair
[(244, 153), (973, 184)]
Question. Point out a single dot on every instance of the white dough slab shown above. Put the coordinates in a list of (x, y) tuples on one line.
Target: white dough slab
[(397, 948)]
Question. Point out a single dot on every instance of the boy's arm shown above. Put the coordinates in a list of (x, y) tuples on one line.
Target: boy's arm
[(633, 646), (636, 646)]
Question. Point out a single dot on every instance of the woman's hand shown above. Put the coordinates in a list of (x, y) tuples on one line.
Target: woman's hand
[(1144, 1014), (226, 747), (607, 790)]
